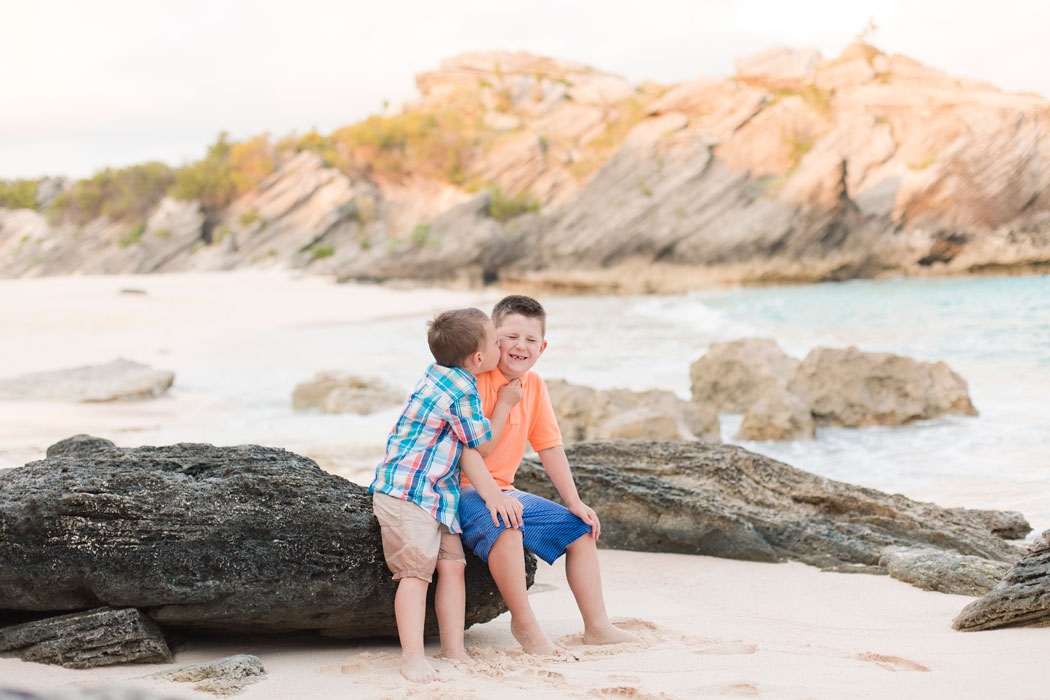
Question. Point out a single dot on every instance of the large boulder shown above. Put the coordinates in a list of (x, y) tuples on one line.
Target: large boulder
[(119, 380), (226, 539), (1021, 598), (779, 415), (332, 392), (854, 388), (733, 376), (722, 500), (589, 414)]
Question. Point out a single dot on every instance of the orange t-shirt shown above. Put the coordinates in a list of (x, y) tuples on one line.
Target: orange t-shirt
[(531, 420)]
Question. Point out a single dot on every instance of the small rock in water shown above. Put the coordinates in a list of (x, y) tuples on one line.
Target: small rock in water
[(227, 676), (119, 380), (101, 637)]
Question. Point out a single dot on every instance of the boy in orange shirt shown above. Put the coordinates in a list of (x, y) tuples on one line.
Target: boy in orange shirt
[(548, 529)]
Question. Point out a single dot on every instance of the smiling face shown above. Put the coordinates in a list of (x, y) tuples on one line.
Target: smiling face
[(520, 344)]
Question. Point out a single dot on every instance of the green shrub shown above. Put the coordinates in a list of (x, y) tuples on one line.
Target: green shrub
[(226, 171), (133, 236), (18, 194), (127, 193), (248, 218), (505, 208), (321, 251)]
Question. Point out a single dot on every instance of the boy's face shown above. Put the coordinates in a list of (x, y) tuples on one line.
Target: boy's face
[(489, 349), (520, 344)]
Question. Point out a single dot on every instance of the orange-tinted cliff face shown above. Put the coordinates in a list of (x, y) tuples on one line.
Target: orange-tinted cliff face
[(529, 169)]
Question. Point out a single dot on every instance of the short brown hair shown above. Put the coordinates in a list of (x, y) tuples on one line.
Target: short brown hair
[(520, 304), (454, 335)]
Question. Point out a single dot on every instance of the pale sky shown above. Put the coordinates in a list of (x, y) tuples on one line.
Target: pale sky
[(91, 83)]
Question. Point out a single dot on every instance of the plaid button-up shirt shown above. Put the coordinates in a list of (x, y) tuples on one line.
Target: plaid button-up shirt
[(422, 453)]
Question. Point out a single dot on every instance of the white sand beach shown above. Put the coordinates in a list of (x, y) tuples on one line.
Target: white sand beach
[(709, 627)]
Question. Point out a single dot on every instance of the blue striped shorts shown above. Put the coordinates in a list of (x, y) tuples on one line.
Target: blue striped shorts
[(547, 527)]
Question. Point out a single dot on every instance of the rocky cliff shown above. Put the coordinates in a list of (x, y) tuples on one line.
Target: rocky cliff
[(529, 170)]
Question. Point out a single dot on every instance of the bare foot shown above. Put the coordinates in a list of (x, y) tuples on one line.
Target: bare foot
[(417, 670), (531, 638), (609, 634), (459, 655)]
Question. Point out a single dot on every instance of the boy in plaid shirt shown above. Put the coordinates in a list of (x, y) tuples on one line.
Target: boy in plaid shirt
[(416, 487)]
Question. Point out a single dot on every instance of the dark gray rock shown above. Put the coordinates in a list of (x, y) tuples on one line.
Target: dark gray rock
[(227, 676), (100, 637), (1021, 599), (722, 500), (79, 446), (942, 571), (82, 694), (225, 539)]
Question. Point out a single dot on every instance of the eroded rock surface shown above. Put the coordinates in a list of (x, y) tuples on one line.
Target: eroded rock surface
[(223, 677), (334, 392), (854, 388), (943, 571), (225, 539), (722, 500), (119, 380), (733, 376), (585, 413), (101, 637), (1021, 598)]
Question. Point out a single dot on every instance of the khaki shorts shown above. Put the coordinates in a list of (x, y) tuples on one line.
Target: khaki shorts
[(413, 540)]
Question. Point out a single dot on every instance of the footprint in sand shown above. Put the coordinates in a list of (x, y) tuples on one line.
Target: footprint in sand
[(729, 690), (360, 663), (725, 647), (891, 663)]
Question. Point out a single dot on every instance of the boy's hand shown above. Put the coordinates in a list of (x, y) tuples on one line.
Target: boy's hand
[(507, 507), (587, 515), (510, 393)]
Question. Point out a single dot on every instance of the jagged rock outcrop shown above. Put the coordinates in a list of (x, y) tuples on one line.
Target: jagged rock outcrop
[(101, 637), (795, 169), (722, 500), (854, 388), (585, 413), (223, 677), (224, 539), (733, 376), (1021, 598), (119, 380), (943, 571), (333, 392)]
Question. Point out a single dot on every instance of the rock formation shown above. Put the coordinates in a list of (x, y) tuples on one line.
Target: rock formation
[(722, 500), (588, 414), (119, 380), (797, 168), (779, 415), (333, 392), (99, 637), (939, 570), (1021, 598), (224, 539), (224, 677), (733, 376), (853, 388)]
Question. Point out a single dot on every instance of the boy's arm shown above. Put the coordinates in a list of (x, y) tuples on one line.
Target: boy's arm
[(509, 395), (556, 464), (498, 503)]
